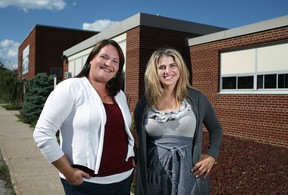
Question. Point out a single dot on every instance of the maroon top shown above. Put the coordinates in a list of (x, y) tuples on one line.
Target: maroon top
[(115, 146)]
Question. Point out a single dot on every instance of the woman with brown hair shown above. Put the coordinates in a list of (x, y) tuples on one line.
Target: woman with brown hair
[(96, 153)]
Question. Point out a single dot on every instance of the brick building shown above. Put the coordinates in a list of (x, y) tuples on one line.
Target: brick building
[(250, 99), (138, 37), (42, 50), (244, 72)]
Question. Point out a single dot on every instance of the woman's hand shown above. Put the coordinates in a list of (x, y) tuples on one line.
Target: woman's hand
[(204, 166), (75, 176)]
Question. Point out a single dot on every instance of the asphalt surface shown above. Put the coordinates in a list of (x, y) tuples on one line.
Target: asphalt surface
[(30, 173)]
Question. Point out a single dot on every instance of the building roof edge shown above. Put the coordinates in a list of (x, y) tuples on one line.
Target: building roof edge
[(239, 31), (143, 19)]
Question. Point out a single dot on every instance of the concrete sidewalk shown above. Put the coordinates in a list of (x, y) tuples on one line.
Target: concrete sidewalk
[(30, 173)]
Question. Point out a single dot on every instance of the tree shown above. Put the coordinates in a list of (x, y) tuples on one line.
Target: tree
[(11, 88), (38, 89)]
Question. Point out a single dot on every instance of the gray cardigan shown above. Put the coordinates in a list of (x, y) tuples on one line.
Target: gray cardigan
[(204, 113)]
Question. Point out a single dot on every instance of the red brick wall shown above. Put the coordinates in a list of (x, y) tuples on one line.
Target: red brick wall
[(260, 117), (132, 66), (141, 42), (46, 47)]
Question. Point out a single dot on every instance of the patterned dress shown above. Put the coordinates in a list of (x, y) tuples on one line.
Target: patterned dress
[(169, 151)]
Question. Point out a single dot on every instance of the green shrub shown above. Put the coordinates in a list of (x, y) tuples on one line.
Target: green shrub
[(37, 91)]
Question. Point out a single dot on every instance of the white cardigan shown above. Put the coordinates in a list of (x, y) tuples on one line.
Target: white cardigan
[(76, 109)]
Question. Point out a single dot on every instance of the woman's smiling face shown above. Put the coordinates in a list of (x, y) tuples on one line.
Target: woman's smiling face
[(104, 65), (168, 72)]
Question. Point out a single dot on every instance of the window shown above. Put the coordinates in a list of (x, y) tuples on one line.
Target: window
[(282, 81), (245, 82), (56, 71), (229, 83), (256, 69)]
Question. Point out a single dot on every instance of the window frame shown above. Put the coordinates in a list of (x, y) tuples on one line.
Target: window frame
[(255, 89)]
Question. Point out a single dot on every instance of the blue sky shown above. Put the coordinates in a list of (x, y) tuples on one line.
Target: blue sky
[(18, 17)]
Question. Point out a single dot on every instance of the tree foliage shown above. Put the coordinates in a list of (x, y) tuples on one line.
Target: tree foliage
[(11, 88), (37, 91)]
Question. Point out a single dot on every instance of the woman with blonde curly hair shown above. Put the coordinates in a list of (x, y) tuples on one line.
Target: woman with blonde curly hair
[(168, 121)]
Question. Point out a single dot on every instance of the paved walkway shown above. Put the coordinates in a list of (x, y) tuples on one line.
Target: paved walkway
[(30, 173)]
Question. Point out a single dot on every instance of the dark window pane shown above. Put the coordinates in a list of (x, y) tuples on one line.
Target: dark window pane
[(56, 71), (260, 82), (245, 82), (229, 83), (270, 81), (283, 81)]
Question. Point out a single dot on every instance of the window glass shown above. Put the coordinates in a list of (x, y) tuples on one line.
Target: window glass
[(245, 82), (260, 83), (270, 81), (56, 71), (229, 83), (283, 81)]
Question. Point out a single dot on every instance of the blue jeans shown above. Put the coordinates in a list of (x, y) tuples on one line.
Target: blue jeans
[(120, 188)]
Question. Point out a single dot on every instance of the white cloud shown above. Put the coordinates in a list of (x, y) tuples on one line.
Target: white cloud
[(9, 53), (34, 4), (99, 25)]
